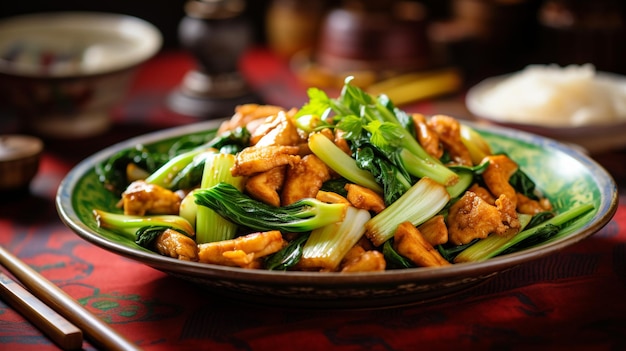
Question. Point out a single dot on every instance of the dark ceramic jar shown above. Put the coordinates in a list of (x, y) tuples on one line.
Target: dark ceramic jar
[(383, 37)]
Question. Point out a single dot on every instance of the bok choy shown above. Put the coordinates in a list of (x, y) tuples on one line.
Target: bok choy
[(301, 216)]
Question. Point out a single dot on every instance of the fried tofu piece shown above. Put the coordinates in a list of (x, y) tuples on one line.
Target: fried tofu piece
[(364, 198), (529, 206), (245, 251), (410, 243), (508, 214), (471, 218), (360, 260), (142, 198), (304, 179), (253, 159), (449, 131), (427, 137), (265, 186), (483, 193), (497, 175), (246, 114), (331, 197), (276, 130), (177, 245), (341, 142), (435, 230)]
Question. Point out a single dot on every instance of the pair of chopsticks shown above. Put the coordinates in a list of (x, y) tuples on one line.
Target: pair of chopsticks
[(48, 307)]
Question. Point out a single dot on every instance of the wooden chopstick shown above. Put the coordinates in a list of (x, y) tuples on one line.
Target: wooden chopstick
[(57, 328), (94, 329)]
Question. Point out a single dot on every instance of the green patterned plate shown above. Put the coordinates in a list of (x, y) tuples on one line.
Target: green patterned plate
[(567, 176)]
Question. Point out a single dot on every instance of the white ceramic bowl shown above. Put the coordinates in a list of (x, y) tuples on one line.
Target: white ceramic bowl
[(62, 72), (593, 137)]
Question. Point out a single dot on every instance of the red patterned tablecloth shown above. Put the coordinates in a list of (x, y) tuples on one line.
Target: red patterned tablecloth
[(574, 300)]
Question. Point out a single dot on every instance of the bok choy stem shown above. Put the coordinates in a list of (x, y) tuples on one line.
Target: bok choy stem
[(422, 201), (210, 225), (301, 216), (328, 245), (340, 162)]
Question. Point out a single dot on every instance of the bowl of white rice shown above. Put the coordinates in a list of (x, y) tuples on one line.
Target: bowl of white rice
[(575, 104)]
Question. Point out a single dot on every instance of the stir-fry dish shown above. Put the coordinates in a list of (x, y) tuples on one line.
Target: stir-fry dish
[(346, 184)]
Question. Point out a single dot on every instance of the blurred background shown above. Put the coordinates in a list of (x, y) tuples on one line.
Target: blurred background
[(430, 51), (482, 37)]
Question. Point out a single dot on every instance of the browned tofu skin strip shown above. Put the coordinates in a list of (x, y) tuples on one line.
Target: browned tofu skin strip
[(142, 198), (265, 186), (409, 242), (174, 244), (304, 179), (244, 251), (253, 160)]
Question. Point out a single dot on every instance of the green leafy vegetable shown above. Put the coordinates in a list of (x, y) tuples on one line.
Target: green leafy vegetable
[(288, 256), (340, 162), (210, 225), (523, 184), (129, 225), (145, 236), (112, 172), (393, 258), (166, 174), (230, 142), (301, 216), (378, 125)]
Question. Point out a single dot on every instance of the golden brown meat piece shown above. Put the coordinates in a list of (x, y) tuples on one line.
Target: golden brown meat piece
[(483, 193), (409, 242), (276, 130), (497, 175), (174, 244), (471, 217), (449, 131), (435, 230), (427, 137), (265, 186), (245, 114), (341, 142), (364, 198), (331, 197), (142, 198), (529, 206), (508, 214), (360, 260), (252, 160), (245, 251), (304, 179)]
